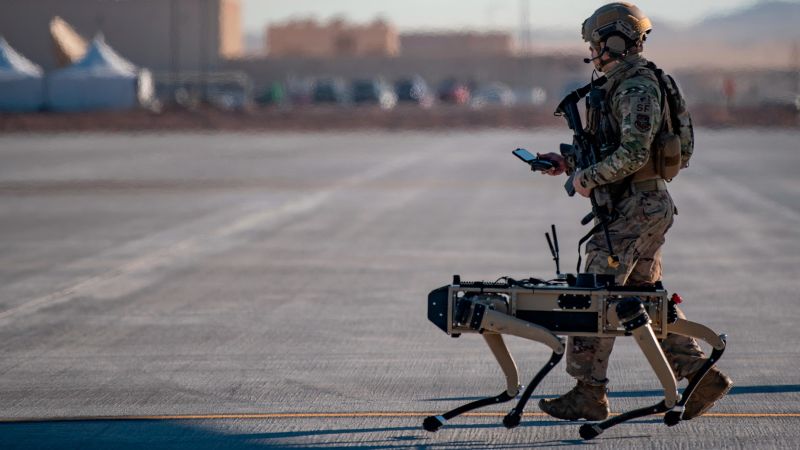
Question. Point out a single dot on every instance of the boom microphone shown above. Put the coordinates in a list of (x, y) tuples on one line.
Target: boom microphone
[(599, 55)]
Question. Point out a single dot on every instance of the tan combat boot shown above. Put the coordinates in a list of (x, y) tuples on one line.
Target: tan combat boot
[(711, 388), (584, 401)]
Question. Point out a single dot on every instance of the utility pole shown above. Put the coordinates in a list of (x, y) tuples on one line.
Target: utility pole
[(795, 68), (525, 26), (174, 42), (204, 36)]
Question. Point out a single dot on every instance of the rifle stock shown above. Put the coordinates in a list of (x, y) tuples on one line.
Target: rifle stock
[(569, 186)]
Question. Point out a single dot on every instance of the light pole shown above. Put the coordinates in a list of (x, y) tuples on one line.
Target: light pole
[(174, 42), (204, 27), (525, 26)]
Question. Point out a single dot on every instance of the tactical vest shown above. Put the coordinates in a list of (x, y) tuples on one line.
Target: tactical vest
[(672, 144)]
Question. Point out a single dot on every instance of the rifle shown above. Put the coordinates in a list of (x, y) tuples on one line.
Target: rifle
[(585, 152)]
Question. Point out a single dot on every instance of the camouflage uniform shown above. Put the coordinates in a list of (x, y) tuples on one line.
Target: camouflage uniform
[(645, 216)]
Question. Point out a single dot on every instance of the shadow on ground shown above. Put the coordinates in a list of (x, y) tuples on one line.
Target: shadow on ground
[(736, 390), (208, 434), (157, 435)]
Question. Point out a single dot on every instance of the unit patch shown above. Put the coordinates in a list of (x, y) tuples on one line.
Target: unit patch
[(643, 106), (643, 123)]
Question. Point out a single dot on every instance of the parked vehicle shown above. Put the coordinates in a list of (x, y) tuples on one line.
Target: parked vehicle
[(300, 90), (275, 94), (453, 91), (535, 96), (330, 91), (413, 90), (493, 94), (373, 92)]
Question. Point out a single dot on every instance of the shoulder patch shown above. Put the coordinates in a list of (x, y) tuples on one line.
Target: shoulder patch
[(642, 123), (632, 90), (643, 105)]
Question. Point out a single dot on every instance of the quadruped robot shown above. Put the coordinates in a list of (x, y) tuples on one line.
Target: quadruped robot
[(545, 311)]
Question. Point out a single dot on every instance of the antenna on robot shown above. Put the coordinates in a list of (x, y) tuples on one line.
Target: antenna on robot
[(554, 248)]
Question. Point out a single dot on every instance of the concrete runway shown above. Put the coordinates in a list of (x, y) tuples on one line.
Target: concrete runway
[(252, 291)]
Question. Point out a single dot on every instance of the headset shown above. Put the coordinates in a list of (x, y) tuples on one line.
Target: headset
[(616, 47)]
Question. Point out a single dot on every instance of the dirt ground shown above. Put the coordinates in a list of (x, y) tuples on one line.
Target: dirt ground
[(342, 118)]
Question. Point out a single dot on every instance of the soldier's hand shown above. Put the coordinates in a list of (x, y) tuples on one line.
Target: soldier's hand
[(576, 183), (557, 160)]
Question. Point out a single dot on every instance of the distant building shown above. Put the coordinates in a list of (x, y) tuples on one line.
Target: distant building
[(308, 38), (159, 34), (456, 44), (68, 45)]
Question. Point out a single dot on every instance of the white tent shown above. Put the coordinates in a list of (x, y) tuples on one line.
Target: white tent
[(21, 82), (101, 80)]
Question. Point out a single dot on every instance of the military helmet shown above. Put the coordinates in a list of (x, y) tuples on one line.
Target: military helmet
[(619, 18)]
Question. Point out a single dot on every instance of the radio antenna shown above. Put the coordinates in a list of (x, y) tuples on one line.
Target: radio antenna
[(554, 248)]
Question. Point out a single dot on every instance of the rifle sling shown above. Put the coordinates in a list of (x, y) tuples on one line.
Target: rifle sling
[(606, 220)]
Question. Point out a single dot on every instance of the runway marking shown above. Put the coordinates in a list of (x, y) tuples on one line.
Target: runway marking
[(332, 415), (743, 192), (178, 245)]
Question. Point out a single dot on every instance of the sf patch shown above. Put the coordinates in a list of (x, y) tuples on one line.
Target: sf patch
[(643, 105), (642, 123)]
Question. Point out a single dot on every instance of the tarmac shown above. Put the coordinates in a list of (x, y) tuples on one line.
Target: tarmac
[(268, 290)]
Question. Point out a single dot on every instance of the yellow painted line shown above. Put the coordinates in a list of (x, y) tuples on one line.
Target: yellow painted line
[(751, 415), (330, 415)]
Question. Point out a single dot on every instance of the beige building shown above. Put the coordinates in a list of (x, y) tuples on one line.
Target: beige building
[(337, 38), (158, 34), (68, 45), (457, 44)]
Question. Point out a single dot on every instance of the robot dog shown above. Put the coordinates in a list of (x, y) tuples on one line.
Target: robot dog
[(546, 310)]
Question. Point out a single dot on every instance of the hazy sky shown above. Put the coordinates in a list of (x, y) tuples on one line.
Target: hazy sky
[(477, 14)]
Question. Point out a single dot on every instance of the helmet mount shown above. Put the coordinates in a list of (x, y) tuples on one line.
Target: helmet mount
[(620, 25)]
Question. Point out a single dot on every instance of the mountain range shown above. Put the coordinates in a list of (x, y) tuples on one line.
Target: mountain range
[(764, 35)]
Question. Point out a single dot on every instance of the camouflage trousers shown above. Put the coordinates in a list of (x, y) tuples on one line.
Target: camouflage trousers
[(637, 237)]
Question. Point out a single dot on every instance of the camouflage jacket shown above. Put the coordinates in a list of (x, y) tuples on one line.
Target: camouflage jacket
[(635, 117)]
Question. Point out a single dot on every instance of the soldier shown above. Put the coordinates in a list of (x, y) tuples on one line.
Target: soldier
[(641, 111)]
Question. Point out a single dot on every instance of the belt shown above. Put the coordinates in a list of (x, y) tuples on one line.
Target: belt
[(656, 184)]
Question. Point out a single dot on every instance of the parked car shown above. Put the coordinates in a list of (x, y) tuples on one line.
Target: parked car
[(227, 99), (300, 90), (373, 92), (329, 91), (413, 90), (453, 91), (275, 94), (493, 94), (535, 96)]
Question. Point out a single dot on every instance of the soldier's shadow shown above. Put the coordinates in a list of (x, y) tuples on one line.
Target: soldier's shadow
[(180, 435), (444, 439)]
